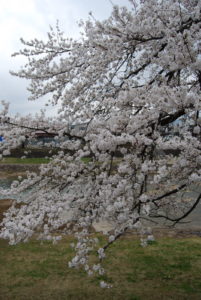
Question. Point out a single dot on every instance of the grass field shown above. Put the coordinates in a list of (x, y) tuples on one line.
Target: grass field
[(16, 160), (167, 269), (36, 160)]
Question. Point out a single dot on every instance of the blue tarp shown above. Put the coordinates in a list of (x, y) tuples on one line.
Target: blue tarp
[(1, 139)]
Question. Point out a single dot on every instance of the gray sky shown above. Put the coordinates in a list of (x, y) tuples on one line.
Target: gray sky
[(31, 19)]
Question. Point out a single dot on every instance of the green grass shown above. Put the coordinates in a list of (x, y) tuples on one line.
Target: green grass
[(86, 159), (38, 160), (167, 269), (16, 160)]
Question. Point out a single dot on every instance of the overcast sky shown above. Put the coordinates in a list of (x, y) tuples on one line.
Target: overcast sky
[(31, 19)]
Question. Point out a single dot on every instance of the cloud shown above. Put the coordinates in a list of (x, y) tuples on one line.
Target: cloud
[(18, 18), (31, 19)]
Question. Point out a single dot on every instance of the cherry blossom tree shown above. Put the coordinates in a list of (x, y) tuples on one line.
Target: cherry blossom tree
[(127, 79)]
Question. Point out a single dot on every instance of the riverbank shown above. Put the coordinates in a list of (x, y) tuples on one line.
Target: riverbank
[(12, 167), (18, 167)]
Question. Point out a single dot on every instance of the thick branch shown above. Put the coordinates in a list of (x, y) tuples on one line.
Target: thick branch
[(163, 121), (177, 220), (169, 193)]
